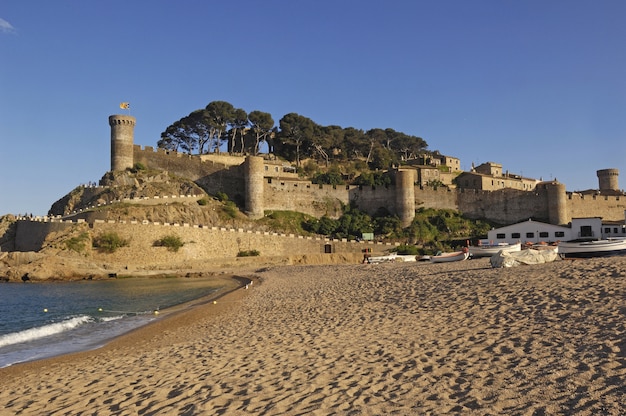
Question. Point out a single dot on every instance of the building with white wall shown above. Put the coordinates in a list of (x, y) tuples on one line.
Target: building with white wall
[(537, 232)]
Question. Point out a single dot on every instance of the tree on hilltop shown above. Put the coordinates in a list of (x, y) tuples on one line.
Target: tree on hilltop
[(220, 115), (205, 130), (239, 122), (262, 125), (297, 131)]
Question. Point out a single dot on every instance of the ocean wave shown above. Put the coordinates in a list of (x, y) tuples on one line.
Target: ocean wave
[(111, 318), (43, 331)]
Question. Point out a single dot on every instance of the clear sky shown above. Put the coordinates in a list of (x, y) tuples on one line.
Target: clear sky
[(536, 85)]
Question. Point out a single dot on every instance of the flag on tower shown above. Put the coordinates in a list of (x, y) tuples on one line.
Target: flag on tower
[(125, 106)]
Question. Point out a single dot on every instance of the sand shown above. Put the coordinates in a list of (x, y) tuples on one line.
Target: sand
[(396, 338)]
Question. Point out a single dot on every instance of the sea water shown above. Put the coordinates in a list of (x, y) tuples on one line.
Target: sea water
[(41, 320)]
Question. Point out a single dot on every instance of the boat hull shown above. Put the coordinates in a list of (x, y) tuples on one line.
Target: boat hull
[(448, 257), (488, 251), (586, 249)]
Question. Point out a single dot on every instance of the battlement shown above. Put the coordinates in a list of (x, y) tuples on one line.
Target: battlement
[(201, 242), (120, 120)]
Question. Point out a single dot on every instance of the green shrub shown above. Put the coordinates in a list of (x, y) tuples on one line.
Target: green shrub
[(230, 209), (221, 196), (109, 242), (203, 201), (248, 253), (172, 242), (77, 243)]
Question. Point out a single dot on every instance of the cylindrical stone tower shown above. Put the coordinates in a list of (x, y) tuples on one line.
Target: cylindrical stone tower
[(253, 177), (122, 128), (405, 196), (557, 203), (608, 179)]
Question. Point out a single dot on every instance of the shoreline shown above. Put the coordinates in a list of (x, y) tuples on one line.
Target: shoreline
[(239, 282), (402, 338)]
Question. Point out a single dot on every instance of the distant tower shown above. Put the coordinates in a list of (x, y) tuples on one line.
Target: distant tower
[(608, 179), (122, 127), (405, 196), (253, 176)]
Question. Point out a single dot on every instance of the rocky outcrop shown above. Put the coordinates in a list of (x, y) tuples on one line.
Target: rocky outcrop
[(32, 266), (116, 186)]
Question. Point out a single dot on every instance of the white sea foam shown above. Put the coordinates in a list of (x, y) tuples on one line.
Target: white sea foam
[(111, 318), (43, 331)]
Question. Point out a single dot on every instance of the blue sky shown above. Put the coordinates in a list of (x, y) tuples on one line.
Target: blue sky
[(538, 86)]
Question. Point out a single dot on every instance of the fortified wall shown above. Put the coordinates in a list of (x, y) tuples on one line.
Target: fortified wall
[(607, 207), (210, 175), (205, 243), (252, 186)]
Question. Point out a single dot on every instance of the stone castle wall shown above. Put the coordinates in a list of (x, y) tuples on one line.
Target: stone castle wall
[(212, 176), (609, 207), (505, 206), (200, 242)]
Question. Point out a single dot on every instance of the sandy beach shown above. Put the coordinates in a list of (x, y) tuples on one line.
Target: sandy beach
[(396, 338)]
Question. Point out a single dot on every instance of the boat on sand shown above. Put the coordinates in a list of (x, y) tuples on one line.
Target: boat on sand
[(392, 257), (489, 250), (592, 248), (447, 257)]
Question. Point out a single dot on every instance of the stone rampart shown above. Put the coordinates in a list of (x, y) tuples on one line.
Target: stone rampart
[(200, 242), (212, 176), (505, 206), (440, 198), (609, 207)]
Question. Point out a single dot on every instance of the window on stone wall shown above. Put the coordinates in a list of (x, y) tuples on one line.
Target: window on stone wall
[(559, 233), (615, 230), (515, 235), (607, 230), (530, 235), (500, 235), (544, 234)]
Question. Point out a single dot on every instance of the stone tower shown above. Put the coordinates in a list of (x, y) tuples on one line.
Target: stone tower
[(405, 196), (122, 131), (608, 179), (253, 177), (557, 203)]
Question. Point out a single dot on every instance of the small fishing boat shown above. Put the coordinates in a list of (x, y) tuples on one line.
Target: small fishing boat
[(592, 248), (447, 257), (392, 257), (382, 259), (489, 250)]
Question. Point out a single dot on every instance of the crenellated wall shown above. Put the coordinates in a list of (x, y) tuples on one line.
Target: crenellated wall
[(608, 207), (249, 182), (548, 203), (200, 242)]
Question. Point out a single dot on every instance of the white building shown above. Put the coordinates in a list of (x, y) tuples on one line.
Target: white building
[(536, 232)]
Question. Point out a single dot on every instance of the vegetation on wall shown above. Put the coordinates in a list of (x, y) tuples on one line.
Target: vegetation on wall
[(109, 242), (171, 241), (248, 253)]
